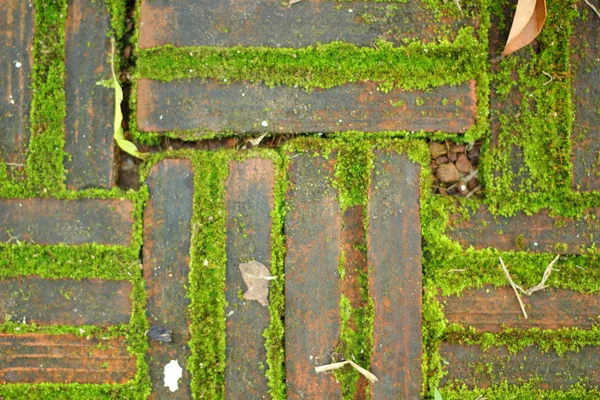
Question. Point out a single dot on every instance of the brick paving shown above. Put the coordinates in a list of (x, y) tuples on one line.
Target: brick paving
[(167, 240), (316, 230), (243, 108), (476, 368), (16, 63), (491, 309), (249, 198), (90, 107), (275, 24), (72, 222), (394, 252), (537, 233), (312, 280), (66, 302), (585, 66), (34, 358)]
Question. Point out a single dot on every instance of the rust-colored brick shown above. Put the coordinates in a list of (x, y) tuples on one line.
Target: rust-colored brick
[(167, 240), (35, 358), (312, 281), (51, 221), (16, 36), (209, 106), (394, 253), (249, 199), (489, 309)]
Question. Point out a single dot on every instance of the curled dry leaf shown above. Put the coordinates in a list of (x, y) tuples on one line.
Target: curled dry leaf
[(256, 277), (527, 24)]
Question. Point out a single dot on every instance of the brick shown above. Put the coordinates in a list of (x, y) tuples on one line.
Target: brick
[(490, 309), (312, 281), (476, 368), (35, 358), (66, 302), (167, 239), (90, 108), (394, 254), (540, 232), (16, 36), (52, 221), (241, 107), (274, 24), (586, 98), (249, 199)]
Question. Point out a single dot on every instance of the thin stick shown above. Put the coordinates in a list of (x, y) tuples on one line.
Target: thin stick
[(513, 286), (542, 284), (593, 8)]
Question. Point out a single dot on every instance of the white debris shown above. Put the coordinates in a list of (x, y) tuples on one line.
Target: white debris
[(18, 64), (173, 373), (264, 123)]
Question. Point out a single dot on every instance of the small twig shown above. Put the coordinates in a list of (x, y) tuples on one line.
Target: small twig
[(549, 76), (472, 192), (456, 270), (542, 284), (592, 7), (457, 2), (513, 286), (12, 164)]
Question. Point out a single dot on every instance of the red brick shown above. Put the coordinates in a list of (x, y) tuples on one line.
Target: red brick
[(90, 108), (167, 239), (241, 107), (34, 358), (274, 24), (312, 281), (249, 199), (394, 254), (490, 309), (66, 302), (16, 36), (51, 221), (585, 70), (540, 232), (471, 366)]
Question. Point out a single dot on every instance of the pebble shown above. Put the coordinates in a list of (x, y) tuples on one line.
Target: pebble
[(462, 164), (447, 173), (437, 149)]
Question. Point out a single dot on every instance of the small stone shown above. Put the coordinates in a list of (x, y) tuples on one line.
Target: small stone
[(437, 149), (473, 155), (457, 148), (433, 165), (442, 160), (127, 51), (452, 156), (462, 188), (472, 184), (447, 173), (160, 334), (462, 164)]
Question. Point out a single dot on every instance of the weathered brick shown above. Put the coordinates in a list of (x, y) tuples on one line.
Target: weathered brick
[(241, 107), (585, 67), (66, 302), (90, 107), (394, 254), (16, 36), (274, 24), (312, 281), (249, 199), (34, 358), (167, 239), (475, 368), (51, 221), (538, 232), (490, 309)]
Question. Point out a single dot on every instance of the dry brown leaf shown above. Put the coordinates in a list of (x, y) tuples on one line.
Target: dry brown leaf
[(527, 24), (256, 277), (333, 366)]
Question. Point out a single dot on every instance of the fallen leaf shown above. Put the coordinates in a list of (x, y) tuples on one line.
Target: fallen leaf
[(256, 142), (333, 366), (527, 24), (256, 277), (292, 2)]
